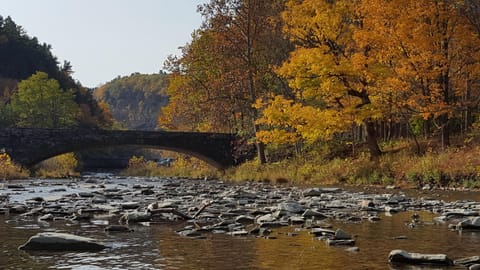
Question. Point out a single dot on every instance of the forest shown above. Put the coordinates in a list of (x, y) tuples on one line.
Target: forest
[(336, 79), (135, 101), (305, 71)]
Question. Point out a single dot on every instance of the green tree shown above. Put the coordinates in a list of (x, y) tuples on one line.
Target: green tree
[(39, 102)]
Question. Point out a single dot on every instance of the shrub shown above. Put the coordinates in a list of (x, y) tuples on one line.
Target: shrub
[(10, 170), (58, 167), (182, 166)]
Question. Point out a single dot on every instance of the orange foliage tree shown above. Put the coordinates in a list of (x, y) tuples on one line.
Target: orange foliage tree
[(361, 61), (432, 51)]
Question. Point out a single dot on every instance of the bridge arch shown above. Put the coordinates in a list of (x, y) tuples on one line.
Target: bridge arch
[(29, 146)]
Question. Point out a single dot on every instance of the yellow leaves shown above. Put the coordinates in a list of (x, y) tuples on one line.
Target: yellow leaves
[(10, 170), (277, 136), (334, 76), (64, 165), (289, 122), (5, 160), (277, 112), (136, 162)]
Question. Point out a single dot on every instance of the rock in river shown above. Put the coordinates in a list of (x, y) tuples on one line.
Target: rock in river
[(49, 241), (402, 256), (118, 228), (472, 223), (135, 216), (468, 261)]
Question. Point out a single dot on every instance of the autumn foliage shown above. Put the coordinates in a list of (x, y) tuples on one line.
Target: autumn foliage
[(10, 170), (312, 71), (365, 62)]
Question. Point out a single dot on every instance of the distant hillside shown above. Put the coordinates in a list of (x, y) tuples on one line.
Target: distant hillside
[(135, 100)]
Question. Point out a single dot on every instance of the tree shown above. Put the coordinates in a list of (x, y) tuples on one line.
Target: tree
[(331, 73), (39, 102), (227, 66), (432, 52), (471, 10)]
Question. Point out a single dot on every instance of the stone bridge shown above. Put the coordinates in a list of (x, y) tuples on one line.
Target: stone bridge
[(29, 146)]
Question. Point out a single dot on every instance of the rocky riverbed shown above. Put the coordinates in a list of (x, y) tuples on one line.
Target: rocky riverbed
[(202, 208)]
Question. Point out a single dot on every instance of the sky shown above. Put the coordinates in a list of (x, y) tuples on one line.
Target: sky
[(103, 39)]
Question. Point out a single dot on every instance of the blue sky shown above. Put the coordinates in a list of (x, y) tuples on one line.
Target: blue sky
[(103, 39)]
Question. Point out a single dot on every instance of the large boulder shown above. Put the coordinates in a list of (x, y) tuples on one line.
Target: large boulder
[(49, 241), (401, 256)]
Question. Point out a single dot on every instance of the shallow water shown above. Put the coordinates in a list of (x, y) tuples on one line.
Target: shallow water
[(157, 246)]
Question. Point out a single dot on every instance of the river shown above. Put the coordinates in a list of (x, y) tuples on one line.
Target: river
[(156, 245)]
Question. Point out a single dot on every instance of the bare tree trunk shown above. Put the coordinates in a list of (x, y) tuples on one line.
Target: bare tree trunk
[(444, 131), (372, 141)]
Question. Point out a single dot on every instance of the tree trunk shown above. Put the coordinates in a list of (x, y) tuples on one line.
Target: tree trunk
[(444, 131), (251, 81), (260, 148), (372, 142)]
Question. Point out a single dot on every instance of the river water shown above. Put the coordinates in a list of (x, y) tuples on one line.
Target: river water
[(158, 246)]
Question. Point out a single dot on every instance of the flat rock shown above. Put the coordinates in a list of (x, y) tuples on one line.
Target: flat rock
[(468, 261), (331, 190), (313, 213), (239, 233), (332, 242), (292, 207), (402, 256), (15, 186), (49, 241), (118, 228), (312, 192), (472, 223), (130, 205), (322, 232), (135, 217), (342, 235), (265, 218)]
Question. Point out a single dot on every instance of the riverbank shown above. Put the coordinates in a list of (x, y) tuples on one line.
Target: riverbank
[(456, 167)]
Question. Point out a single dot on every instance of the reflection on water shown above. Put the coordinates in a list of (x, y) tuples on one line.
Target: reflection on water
[(159, 247)]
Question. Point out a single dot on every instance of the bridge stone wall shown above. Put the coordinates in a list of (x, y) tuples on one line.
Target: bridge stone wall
[(29, 146)]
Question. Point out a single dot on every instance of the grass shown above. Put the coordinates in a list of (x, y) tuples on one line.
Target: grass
[(400, 165), (457, 166), (183, 166), (62, 166)]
